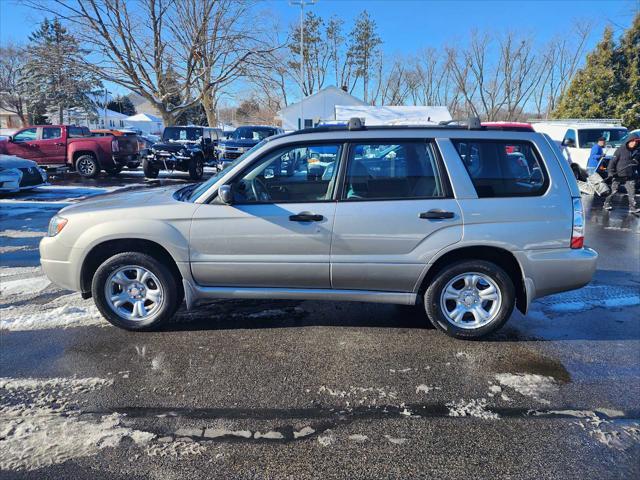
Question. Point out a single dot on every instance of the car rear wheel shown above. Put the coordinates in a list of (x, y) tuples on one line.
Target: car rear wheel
[(470, 299), (150, 170), (196, 168), (87, 166), (135, 291)]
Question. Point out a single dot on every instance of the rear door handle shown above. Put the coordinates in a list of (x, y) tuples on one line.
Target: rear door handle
[(436, 214), (306, 217)]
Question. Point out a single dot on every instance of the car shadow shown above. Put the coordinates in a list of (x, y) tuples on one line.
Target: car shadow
[(258, 314)]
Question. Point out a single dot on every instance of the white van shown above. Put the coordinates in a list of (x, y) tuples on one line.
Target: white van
[(576, 137)]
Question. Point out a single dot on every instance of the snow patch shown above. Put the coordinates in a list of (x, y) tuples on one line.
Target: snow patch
[(473, 408), (358, 438), (422, 388), (327, 439), (529, 385), (21, 234), (6, 272), (23, 286), (304, 432), (63, 312), (41, 427), (175, 449), (271, 435), (396, 440)]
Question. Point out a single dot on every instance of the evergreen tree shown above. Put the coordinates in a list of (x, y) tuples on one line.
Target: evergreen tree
[(122, 104), (628, 103), (591, 92), (363, 48), (55, 74), (609, 83)]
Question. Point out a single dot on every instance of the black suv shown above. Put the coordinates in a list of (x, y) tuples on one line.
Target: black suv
[(186, 149), (243, 139)]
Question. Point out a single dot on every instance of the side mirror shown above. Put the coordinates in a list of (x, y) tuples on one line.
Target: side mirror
[(225, 195), (10, 138)]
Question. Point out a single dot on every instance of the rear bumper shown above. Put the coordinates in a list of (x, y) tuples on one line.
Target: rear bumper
[(558, 270)]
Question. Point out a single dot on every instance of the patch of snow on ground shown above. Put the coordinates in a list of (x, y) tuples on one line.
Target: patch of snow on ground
[(42, 427), (618, 434), (21, 234), (63, 312), (15, 271), (175, 449), (474, 408), (358, 438), (327, 439), (426, 388), (395, 440), (529, 385), (23, 286)]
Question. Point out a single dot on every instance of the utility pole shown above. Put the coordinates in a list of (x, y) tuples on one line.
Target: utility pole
[(302, 4)]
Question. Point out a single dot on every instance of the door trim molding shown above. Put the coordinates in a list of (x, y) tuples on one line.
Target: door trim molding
[(195, 294)]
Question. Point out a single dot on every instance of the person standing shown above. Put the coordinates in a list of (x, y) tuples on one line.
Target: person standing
[(623, 168), (597, 152)]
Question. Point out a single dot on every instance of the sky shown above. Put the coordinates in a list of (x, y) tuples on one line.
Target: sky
[(409, 25)]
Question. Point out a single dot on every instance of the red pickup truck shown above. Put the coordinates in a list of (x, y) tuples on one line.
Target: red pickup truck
[(56, 146)]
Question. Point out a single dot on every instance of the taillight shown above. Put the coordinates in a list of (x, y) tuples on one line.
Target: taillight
[(115, 147), (577, 232)]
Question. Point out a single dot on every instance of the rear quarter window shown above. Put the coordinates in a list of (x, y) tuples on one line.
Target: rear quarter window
[(503, 168)]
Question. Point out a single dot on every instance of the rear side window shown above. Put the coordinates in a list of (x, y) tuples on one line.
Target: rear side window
[(49, 133), (388, 171), (503, 168), (76, 132)]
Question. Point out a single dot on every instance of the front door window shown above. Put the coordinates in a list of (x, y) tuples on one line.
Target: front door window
[(27, 135), (299, 174)]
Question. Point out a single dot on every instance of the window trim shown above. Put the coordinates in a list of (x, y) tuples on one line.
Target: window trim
[(339, 143), (441, 171), (546, 185)]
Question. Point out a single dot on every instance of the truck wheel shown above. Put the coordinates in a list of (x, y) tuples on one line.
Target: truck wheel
[(135, 291), (196, 168), (150, 170), (115, 170), (470, 299), (87, 166)]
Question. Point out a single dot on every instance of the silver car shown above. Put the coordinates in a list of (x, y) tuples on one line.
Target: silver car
[(465, 223)]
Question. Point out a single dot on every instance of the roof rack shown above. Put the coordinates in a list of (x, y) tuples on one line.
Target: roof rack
[(356, 124)]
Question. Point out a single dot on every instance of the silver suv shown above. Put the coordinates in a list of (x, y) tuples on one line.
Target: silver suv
[(466, 223)]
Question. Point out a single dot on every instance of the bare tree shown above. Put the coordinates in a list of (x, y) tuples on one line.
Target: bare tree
[(229, 45), (561, 59), (11, 99)]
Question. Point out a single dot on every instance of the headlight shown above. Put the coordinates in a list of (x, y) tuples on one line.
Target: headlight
[(43, 174), (56, 224)]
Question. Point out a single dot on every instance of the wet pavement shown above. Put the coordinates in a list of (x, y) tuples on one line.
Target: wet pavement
[(281, 389)]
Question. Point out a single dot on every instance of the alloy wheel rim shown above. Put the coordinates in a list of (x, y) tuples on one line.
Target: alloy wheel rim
[(85, 166), (134, 293), (471, 300)]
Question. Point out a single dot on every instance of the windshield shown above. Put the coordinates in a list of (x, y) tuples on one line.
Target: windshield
[(204, 186), (252, 133), (177, 134), (589, 137)]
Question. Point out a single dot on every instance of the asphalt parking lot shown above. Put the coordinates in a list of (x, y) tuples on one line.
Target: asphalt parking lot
[(281, 389)]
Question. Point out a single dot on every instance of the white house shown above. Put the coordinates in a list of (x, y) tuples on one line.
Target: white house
[(393, 114), (146, 123), (315, 108), (101, 118)]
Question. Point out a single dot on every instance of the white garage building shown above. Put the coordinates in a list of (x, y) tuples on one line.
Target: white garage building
[(317, 107)]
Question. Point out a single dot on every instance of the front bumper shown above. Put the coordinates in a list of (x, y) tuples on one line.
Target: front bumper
[(58, 263), (558, 270)]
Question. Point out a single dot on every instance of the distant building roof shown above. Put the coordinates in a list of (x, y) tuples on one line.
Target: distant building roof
[(143, 117), (330, 89)]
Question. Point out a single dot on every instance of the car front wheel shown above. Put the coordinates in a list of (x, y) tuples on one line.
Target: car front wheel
[(135, 291), (470, 299)]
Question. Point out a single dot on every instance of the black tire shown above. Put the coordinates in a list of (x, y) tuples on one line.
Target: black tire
[(133, 166), (172, 290), (434, 291), (115, 170), (87, 166), (196, 168), (150, 170)]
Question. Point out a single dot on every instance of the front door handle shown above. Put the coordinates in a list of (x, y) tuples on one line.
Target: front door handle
[(59, 144), (306, 217), (436, 214)]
